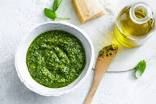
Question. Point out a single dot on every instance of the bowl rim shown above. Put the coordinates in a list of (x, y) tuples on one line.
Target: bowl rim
[(82, 79)]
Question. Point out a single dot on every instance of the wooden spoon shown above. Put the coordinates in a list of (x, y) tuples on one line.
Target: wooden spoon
[(104, 59)]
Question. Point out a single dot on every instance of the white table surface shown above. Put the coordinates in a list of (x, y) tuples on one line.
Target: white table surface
[(18, 17)]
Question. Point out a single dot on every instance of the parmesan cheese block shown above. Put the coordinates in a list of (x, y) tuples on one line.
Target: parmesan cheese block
[(88, 9)]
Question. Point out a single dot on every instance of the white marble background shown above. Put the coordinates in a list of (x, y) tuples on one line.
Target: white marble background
[(18, 17)]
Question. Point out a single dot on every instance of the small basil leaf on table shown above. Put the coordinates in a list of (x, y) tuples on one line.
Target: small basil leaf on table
[(140, 68), (50, 13), (56, 4)]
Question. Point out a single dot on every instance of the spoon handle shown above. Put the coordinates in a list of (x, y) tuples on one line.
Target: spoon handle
[(101, 67)]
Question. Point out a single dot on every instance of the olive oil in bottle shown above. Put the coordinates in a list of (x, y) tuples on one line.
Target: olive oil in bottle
[(133, 25)]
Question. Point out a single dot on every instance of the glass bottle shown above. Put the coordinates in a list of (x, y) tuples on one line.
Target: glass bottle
[(133, 25)]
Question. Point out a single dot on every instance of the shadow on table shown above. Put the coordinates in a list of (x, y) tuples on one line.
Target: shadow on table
[(16, 92)]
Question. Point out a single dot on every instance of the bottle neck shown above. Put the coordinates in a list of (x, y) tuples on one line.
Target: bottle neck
[(140, 13)]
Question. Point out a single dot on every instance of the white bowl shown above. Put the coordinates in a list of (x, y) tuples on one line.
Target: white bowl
[(20, 58)]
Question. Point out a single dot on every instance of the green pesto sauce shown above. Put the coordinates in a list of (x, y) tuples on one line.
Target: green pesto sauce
[(55, 59)]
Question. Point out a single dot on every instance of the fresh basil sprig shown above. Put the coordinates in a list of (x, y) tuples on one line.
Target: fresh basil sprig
[(140, 68), (56, 5), (51, 12)]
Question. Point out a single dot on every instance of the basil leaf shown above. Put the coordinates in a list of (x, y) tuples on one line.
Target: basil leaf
[(56, 4), (140, 68), (50, 13)]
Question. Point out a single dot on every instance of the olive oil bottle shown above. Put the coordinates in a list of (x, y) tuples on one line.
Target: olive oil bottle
[(133, 25)]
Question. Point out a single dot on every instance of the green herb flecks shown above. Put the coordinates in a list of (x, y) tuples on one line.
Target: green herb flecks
[(108, 50), (140, 68), (55, 59)]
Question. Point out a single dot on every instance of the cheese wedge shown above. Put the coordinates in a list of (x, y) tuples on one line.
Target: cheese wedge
[(88, 9)]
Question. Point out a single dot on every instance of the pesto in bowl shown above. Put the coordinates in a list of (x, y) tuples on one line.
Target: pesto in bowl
[(55, 58)]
